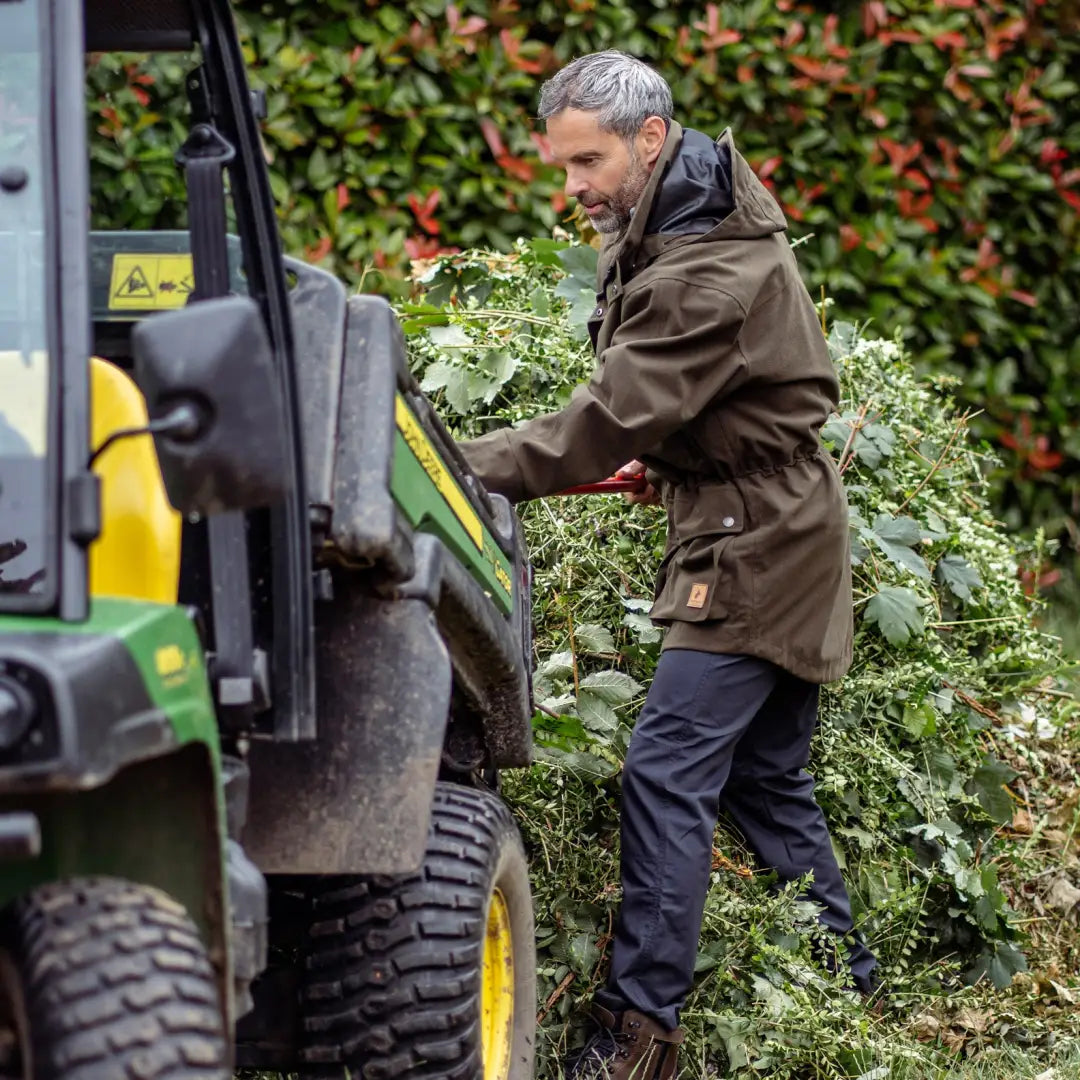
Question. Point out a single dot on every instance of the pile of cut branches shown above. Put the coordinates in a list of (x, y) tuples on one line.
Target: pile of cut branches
[(946, 761)]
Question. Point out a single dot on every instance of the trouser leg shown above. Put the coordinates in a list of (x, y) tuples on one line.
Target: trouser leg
[(770, 797), (679, 757)]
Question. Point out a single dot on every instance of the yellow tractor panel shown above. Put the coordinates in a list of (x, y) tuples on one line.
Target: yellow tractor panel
[(138, 552)]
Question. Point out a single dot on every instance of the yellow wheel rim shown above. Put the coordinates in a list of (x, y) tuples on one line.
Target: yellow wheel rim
[(497, 991)]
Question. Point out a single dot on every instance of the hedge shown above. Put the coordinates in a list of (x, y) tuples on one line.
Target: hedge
[(926, 150)]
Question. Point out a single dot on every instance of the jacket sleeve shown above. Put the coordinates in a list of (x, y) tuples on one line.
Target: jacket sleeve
[(674, 352)]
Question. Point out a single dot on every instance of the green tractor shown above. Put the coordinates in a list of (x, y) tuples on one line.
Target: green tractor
[(264, 640)]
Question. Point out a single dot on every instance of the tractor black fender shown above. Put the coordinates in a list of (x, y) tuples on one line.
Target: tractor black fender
[(491, 681), (358, 798)]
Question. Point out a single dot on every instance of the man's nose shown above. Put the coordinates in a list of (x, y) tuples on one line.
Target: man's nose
[(575, 185)]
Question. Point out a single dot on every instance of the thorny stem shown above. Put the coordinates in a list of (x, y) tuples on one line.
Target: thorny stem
[(498, 313), (573, 646), (555, 995), (957, 428), (856, 427), (971, 622)]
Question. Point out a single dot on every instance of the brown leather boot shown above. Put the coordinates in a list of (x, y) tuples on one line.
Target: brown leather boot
[(627, 1046)]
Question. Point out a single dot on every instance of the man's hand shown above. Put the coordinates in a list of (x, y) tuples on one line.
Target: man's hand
[(648, 495)]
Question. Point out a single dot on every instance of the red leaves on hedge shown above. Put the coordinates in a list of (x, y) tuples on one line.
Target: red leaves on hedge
[(951, 39), (512, 47), (1000, 39), (825, 71), (1051, 152), (899, 155), (543, 147), (426, 247), (907, 37), (874, 15), (314, 253), (961, 90), (515, 166), (768, 167), (492, 136), (915, 206), (715, 37), (1034, 453), (423, 211), (463, 29), (849, 238)]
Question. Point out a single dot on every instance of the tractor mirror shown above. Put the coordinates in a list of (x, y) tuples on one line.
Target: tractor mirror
[(211, 363)]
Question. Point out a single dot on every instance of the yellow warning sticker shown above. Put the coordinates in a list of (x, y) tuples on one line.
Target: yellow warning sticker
[(148, 282), (432, 464)]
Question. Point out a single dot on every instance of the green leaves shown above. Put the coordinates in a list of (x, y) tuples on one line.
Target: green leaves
[(896, 537), (578, 288), (614, 687), (593, 638), (896, 613), (960, 578), (598, 694), (999, 964), (452, 380), (988, 786)]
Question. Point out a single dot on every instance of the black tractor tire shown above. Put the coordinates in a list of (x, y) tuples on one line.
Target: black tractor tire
[(109, 981), (398, 970)]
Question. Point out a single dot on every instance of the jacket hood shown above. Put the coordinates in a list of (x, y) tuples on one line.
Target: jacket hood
[(701, 188), (695, 193)]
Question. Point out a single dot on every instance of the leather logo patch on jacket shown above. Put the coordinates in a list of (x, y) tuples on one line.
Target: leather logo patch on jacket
[(699, 592)]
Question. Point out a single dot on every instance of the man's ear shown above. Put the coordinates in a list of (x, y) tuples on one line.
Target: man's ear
[(651, 139)]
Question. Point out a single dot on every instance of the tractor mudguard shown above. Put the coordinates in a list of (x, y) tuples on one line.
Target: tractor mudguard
[(358, 798), (486, 658), (400, 482)]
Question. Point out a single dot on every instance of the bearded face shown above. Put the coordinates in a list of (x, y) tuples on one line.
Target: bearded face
[(606, 173), (610, 213)]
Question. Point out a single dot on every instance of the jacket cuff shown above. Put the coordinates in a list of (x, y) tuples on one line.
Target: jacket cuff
[(494, 461)]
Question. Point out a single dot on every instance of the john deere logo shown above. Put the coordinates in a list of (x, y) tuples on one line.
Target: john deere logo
[(171, 665)]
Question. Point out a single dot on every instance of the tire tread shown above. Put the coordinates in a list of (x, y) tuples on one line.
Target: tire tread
[(117, 984), (394, 965)]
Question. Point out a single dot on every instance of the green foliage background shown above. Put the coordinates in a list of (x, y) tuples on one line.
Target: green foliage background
[(930, 146), (946, 762)]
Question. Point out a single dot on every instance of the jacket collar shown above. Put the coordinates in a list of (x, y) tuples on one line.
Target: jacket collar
[(617, 250)]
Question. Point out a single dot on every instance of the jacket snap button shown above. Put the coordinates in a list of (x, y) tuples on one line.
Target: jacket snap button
[(599, 312), (728, 522)]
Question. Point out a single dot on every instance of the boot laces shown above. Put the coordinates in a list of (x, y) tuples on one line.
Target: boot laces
[(596, 1059)]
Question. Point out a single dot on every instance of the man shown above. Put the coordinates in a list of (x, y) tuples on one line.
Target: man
[(714, 373)]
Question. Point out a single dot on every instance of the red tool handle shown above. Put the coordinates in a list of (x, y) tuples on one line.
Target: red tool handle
[(611, 485)]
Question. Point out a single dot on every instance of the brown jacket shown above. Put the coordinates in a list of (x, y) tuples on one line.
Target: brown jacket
[(713, 371)]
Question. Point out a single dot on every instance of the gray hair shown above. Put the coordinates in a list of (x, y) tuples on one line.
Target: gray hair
[(620, 89)]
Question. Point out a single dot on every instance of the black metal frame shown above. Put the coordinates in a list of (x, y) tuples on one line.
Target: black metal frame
[(290, 537), (79, 505)]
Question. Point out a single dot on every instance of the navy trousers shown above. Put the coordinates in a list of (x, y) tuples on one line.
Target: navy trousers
[(717, 732)]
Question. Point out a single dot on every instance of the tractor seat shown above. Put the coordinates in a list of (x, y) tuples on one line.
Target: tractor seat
[(137, 555)]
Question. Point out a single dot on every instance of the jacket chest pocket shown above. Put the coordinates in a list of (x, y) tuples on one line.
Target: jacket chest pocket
[(699, 577)]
